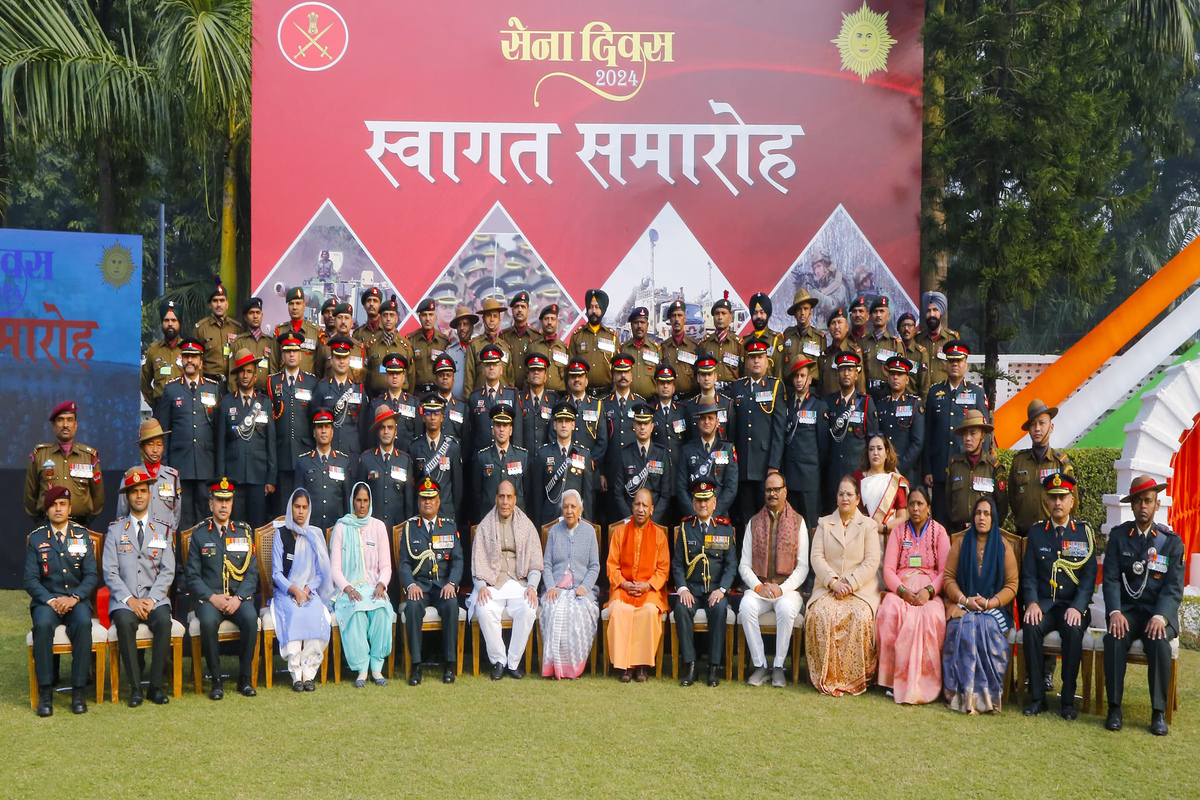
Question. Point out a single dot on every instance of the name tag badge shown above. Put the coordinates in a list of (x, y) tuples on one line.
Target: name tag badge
[(679, 425), (559, 357), (722, 416), (336, 473), (981, 484), (408, 411), (941, 355), (914, 561), (685, 357), (856, 416), (456, 416), (906, 543), (208, 398), (164, 370), (443, 542), (225, 351), (261, 418), (606, 345), (807, 417), (650, 357), (713, 542), (399, 474), (355, 398), (303, 395), (237, 545), (763, 397), (731, 359), (513, 468), (577, 461), (81, 470), (356, 362), (77, 548), (811, 348), (166, 490), (545, 412), (966, 399), (262, 363), (904, 411)]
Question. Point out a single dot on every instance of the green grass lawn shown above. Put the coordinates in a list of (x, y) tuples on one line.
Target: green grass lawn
[(587, 738)]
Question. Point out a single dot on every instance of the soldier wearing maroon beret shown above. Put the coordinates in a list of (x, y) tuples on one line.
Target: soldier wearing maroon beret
[(67, 463)]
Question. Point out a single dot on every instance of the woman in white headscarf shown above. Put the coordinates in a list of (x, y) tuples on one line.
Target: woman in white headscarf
[(303, 586), (361, 563)]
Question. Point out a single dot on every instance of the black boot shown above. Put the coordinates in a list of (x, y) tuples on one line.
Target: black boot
[(1115, 719), (45, 706), (217, 691), (1068, 711), (497, 671), (448, 673), (689, 674), (1034, 707), (135, 697), (79, 704), (158, 696), (246, 688), (414, 675), (713, 680), (1158, 723)]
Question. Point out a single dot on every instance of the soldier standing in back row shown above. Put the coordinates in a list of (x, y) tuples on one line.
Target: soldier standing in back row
[(245, 436), (945, 408), (387, 341), (723, 344), (551, 348), (254, 339), (803, 340), (428, 344), (759, 410), (973, 474), (217, 332), (371, 299), (163, 361), (519, 336), (310, 336), (488, 341), (935, 336), (917, 355), (67, 463), (877, 347), (1026, 496), (164, 505), (290, 392), (644, 352), (902, 419), (679, 350), (595, 344), (186, 411), (760, 316)]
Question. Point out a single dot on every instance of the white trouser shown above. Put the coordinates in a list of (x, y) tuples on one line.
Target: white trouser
[(786, 607), (511, 598), (304, 657)]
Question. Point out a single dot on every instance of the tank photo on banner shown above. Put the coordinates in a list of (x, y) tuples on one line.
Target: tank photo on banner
[(681, 149)]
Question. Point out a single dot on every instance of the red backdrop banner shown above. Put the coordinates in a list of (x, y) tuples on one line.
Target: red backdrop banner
[(659, 150)]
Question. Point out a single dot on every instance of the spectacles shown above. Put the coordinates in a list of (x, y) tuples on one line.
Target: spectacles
[(773, 489)]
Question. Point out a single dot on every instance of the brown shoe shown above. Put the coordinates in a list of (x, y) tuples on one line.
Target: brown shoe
[(642, 673), (626, 675)]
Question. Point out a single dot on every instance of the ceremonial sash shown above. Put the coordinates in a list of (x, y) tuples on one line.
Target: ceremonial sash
[(557, 476)]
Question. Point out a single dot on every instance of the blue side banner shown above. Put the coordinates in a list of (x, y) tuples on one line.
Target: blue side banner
[(70, 329)]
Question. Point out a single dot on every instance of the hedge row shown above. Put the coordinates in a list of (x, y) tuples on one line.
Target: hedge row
[(1095, 476)]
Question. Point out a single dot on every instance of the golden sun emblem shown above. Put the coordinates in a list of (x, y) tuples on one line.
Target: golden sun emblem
[(864, 42), (116, 265)]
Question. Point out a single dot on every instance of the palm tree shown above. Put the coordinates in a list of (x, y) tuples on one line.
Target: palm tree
[(204, 55), (63, 78), (1166, 25)]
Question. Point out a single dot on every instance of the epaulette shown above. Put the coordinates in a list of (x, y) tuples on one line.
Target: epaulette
[(722, 520), (1062, 457), (85, 448), (39, 529), (518, 447), (174, 380)]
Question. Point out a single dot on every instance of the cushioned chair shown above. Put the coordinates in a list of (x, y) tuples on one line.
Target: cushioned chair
[(432, 621), (226, 632), (144, 642), (767, 626), (335, 634), (1137, 655), (505, 624), (62, 644)]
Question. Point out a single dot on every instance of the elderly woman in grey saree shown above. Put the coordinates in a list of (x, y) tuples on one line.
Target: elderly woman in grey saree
[(569, 609)]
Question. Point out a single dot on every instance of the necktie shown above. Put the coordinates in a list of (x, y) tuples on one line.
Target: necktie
[(192, 385), (291, 382), (564, 453), (62, 537), (708, 447), (703, 530), (643, 449), (221, 531), (491, 396), (141, 535), (502, 454), (323, 460)]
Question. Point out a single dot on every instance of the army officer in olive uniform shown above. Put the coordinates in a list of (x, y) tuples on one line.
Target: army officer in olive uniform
[(1030, 467), (945, 406), (222, 575), (67, 463), (973, 474)]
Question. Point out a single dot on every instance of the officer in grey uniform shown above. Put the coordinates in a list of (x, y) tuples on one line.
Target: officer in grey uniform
[(165, 507)]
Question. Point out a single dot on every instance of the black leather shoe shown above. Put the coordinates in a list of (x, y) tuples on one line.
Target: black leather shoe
[(414, 675), (497, 671), (713, 680), (309, 686), (1068, 712), (246, 689), (45, 706), (1158, 723), (79, 705), (1115, 719), (448, 674), (626, 675), (217, 691), (135, 698), (1034, 707), (157, 696), (515, 674), (689, 674), (297, 686)]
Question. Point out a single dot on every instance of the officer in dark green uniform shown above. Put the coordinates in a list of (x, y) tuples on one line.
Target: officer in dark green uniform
[(454, 409), (1143, 586), (557, 466), (67, 463), (216, 332), (945, 406), (403, 404), (759, 406), (702, 567), (973, 474), (535, 404), (246, 441), (710, 458), (431, 567), (484, 399), (806, 443), (852, 421), (501, 460), (221, 570), (290, 391), (803, 339), (325, 473), (591, 431), (1030, 468), (706, 380), (902, 419), (311, 336), (643, 465), (60, 576), (1058, 575), (438, 455), (388, 471), (345, 398), (670, 418), (186, 410)]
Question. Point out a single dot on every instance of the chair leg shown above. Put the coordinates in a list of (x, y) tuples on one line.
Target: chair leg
[(529, 655), (1006, 694), (254, 663), (475, 646), (197, 670), (659, 658), (729, 635), (595, 639), (1019, 657), (101, 651), (177, 666), (337, 655), (604, 634), (392, 654), (674, 652), (33, 684), (268, 657), (1098, 668), (114, 673), (1172, 695), (1086, 669), (462, 634), (796, 637), (407, 657), (741, 648)]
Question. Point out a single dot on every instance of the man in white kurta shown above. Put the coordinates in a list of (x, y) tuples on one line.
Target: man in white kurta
[(774, 564), (506, 562)]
